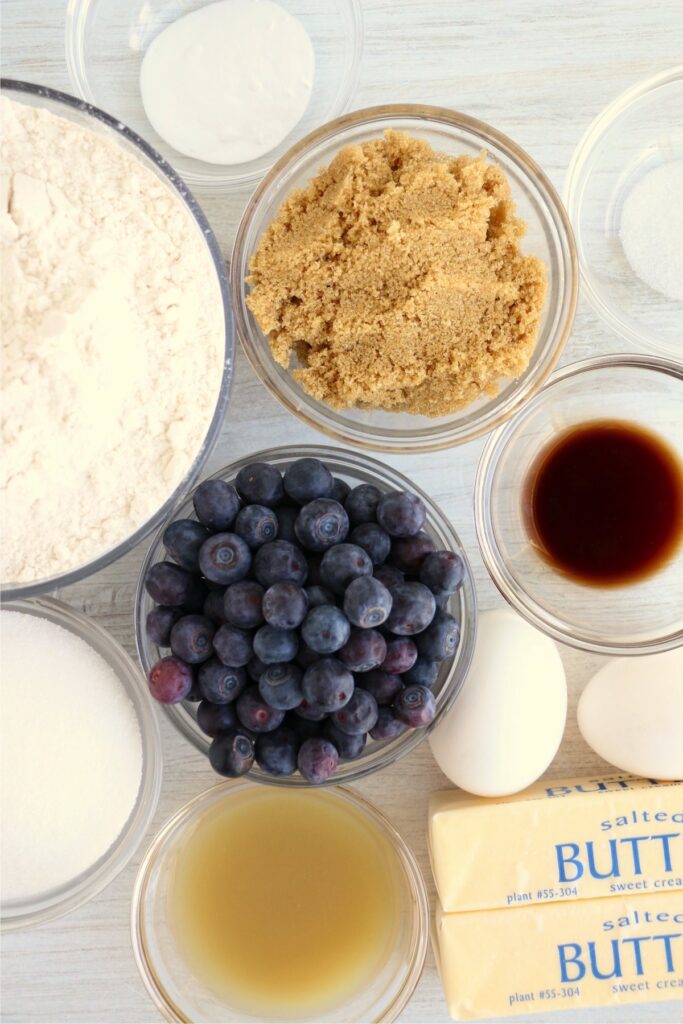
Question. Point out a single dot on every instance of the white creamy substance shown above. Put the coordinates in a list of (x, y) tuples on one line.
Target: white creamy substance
[(228, 82), (113, 343), (651, 229)]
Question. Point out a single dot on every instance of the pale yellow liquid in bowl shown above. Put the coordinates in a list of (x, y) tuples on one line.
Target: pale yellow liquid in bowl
[(286, 903)]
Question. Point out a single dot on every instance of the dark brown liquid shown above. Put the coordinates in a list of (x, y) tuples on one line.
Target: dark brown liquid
[(605, 503)]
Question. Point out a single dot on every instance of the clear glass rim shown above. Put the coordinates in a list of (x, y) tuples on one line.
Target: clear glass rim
[(73, 894), (495, 411), (415, 881), (76, 16), (508, 586), (373, 760), (575, 185), (14, 591)]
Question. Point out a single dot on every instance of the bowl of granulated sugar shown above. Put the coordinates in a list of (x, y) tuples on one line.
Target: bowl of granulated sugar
[(80, 762)]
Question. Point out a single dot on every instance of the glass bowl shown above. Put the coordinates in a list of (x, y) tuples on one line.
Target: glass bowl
[(638, 618), (168, 979), (83, 114), (549, 237), (637, 133), (62, 900), (108, 73), (355, 469)]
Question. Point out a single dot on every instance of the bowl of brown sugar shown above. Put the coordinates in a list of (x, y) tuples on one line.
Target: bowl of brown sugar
[(404, 279)]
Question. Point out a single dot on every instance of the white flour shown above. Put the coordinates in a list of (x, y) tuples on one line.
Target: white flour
[(113, 344), (652, 229)]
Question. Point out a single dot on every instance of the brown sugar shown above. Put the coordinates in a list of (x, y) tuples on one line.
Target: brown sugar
[(396, 281)]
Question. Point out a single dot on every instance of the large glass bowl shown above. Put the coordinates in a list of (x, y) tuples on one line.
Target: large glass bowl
[(641, 617), (177, 993), (356, 469), (549, 236), (54, 903), (95, 120)]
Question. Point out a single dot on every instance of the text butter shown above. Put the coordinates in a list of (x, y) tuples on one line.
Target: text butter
[(602, 952), (558, 840)]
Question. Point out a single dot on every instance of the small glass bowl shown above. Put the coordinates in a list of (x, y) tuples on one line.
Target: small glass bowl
[(642, 617), (355, 469), (638, 132), (549, 237), (95, 120), (107, 39), (168, 979), (62, 900)]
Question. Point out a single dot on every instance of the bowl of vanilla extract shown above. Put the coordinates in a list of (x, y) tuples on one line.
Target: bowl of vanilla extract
[(579, 506)]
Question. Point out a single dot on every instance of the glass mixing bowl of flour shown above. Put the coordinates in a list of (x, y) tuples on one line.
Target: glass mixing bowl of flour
[(86, 116)]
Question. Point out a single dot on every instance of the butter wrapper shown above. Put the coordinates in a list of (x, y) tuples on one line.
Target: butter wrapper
[(560, 840)]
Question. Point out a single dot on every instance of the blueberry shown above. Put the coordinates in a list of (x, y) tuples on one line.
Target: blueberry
[(310, 713), (341, 564), (214, 607), (285, 605), (170, 585), (317, 760), (327, 686), (280, 686), (279, 562), (320, 524), (303, 727), (389, 575), (348, 747), (443, 572), (273, 645), (191, 639), (242, 604), (259, 483), (216, 503), (340, 490), (233, 645), (367, 602), (388, 725), (423, 672), (221, 683), (382, 685), (408, 553), (231, 753), (412, 610), (170, 680), (401, 513), (286, 517), (255, 668), (415, 705), (372, 539), (159, 623), (325, 629), (440, 640), (224, 558), (358, 715), (319, 595), (361, 503), (256, 525), (364, 650), (305, 656), (215, 718), (307, 479), (276, 751), (254, 714), (401, 655), (182, 540)]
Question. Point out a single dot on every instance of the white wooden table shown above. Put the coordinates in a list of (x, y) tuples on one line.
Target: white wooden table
[(539, 70)]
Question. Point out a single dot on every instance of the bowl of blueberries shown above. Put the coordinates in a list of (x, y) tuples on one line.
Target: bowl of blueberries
[(305, 616)]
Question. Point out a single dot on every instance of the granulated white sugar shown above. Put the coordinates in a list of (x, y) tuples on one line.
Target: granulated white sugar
[(71, 755), (652, 229)]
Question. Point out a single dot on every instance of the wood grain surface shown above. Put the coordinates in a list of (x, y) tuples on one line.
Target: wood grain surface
[(539, 70)]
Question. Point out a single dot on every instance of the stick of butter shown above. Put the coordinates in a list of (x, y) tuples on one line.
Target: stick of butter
[(602, 952), (558, 840)]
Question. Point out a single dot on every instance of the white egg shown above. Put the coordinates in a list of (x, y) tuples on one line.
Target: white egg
[(505, 727), (631, 714)]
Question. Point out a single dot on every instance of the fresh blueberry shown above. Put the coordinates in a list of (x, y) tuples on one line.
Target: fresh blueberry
[(401, 513), (367, 602), (231, 753), (320, 524), (441, 638), (389, 575), (279, 562), (372, 539), (214, 606), (191, 639), (170, 680), (286, 517), (348, 747), (159, 624), (215, 718), (260, 484), (342, 564), (221, 683), (307, 479), (415, 705), (224, 558), (255, 668), (233, 645), (318, 595), (443, 572), (340, 490), (276, 751), (305, 656), (358, 715), (216, 503), (408, 553), (423, 673), (364, 650), (401, 655), (256, 525), (273, 645), (388, 725), (242, 604), (285, 605), (325, 629), (280, 686), (170, 585), (317, 760), (182, 540), (327, 686), (412, 610), (310, 713), (361, 503), (382, 685), (254, 714)]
